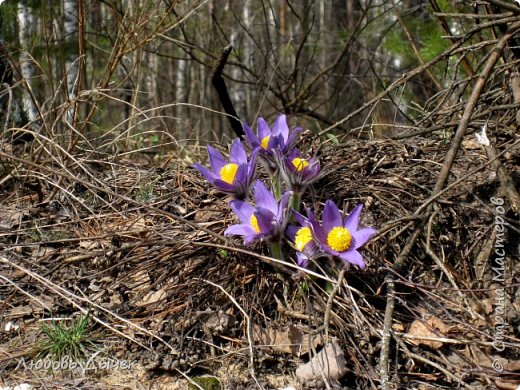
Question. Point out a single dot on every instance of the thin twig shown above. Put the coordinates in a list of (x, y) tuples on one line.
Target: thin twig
[(330, 301), (249, 329)]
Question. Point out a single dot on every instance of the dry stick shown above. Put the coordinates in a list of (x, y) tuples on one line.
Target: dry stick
[(9, 104), (515, 88), (330, 301), (326, 321), (439, 262), (454, 49), (223, 95), (396, 84), (33, 297), (109, 192), (312, 349), (419, 212), (71, 297), (443, 177)]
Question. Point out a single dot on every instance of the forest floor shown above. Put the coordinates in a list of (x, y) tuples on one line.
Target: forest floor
[(169, 298)]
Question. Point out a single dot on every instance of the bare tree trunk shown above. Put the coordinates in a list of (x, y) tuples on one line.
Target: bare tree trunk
[(321, 42), (151, 62), (26, 32), (181, 92), (235, 91), (70, 30)]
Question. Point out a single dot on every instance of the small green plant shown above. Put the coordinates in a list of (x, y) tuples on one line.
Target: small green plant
[(333, 138), (74, 342), (223, 253), (155, 140), (207, 382), (44, 235), (145, 193), (304, 286)]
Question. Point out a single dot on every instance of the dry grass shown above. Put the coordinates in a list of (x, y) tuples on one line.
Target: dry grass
[(142, 247)]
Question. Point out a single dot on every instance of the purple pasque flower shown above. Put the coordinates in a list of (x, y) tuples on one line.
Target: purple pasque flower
[(234, 176), (340, 236), (298, 172), (268, 139), (266, 220), (302, 238)]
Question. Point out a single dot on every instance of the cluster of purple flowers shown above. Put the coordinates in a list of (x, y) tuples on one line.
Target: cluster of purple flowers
[(267, 216)]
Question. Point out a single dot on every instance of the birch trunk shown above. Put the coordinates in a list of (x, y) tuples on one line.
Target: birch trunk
[(181, 92), (26, 23), (70, 30)]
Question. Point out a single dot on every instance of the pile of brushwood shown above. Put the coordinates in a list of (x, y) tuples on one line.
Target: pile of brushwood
[(139, 252)]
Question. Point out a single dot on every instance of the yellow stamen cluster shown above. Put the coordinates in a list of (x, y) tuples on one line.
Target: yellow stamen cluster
[(303, 237), (254, 223), (300, 163), (265, 142), (228, 172), (339, 239)]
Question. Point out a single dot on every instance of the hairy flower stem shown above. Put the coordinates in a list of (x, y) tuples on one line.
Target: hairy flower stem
[(276, 250), (296, 201), (277, 188)]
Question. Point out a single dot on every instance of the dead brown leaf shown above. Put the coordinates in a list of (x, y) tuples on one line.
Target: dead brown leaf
[(291, 340), (425, 332), (330, 360), (471, 143), (9, 217), (151, 297)]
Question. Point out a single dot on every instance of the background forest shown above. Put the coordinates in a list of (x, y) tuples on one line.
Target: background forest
[(140, 72), (112, 244)]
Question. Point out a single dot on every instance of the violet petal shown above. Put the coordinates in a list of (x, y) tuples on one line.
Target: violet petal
[(362, 236), (352, 221), (265, 198), (239, 230), (237, 153), (331, 216), (280, 127), (266, 221), (293, 135), (208, 175), (249, 239), (291, 232), (300, 218), (243, 210), (216, 159), (353, 257), (251, 138), (302, 260), (263, 129), (223, 185)]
